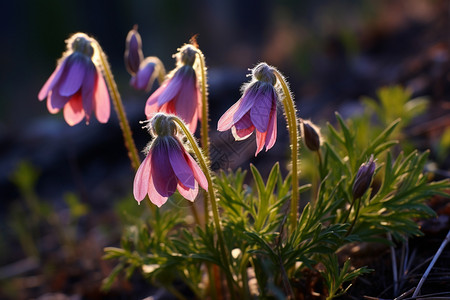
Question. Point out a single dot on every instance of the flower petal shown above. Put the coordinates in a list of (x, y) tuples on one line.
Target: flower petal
[(101, 99), (189, 194), (143, 77), (52, 80), (164, 178), (180, 166), (87, 91), (271, 136), (172, 88), (154, 196), (76, 69), (142, 179), (260, 140), (186, 102), (242, 134), (260, 113), (55, 101), (198, 173), (73, 110)]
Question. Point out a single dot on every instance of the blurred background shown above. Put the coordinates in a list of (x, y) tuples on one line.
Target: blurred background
[(79, 179)]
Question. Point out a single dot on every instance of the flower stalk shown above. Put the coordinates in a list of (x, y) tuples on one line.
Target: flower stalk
[(212, 196), (291, 119)]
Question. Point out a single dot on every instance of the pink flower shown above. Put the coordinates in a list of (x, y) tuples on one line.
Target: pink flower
[(167, 167), (256, 110), (179, 94), (77, 85)]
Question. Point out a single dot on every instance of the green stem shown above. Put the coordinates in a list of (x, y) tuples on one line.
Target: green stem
[(204, 121), (212, 196), (118, 106), (291, 119), (358, 204)]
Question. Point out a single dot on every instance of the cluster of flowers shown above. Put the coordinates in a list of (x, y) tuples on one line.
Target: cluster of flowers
[(77, 85)]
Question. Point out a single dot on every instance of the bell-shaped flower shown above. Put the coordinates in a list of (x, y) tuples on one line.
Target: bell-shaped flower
[(77, 84), (255, 111), (168, 166), (179, 94)]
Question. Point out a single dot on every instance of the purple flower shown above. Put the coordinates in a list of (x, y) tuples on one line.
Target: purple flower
[(168, 167), (179, 94), (133, 51), (256, 110), (77, 85), (363, 178), (311, 136)]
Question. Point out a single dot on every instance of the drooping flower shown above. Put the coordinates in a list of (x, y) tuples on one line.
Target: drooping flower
[(255, 111), (179, 94), (77, 84), (133, 51), (168, 166), (363, 178)]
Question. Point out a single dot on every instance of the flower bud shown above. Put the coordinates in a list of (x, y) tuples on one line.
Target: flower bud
[(186, 55), (133, 51), (363, 178), (162, 125), (310, 135)]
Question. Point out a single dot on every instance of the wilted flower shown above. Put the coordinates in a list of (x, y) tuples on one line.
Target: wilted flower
[(310, 135), (179, 94), (363, 178), (167, 167), (257, 109), (77, 84), (133, 51)]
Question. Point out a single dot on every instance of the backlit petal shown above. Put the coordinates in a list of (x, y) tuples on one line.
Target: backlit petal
[(172, 88), (87, 91), (154, 196), (186, 103), (189, 194), (143, 77), (271, 136), (73, 110), (101, 99), (142, 179), (198, 173), (56, 101), (260, 140), (260, 112), (242, 134), (53, 79)]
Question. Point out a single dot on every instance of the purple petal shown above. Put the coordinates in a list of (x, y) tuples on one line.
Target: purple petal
[(186, 100), (260, 113), (55, 101), (143, 77), (180, 166), (53, 79), (244, 123), (76, 69), (271, 136), (163, 175), (198, 173), (87, 90), (142, 179), (173, 87), (155, 197)]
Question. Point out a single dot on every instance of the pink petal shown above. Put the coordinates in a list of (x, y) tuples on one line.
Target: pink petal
[(173, 86), (198, 173), (73, 110), (164, 178), (260, 113), (242, 134), (200, 103), (260, 139), (142, 179), (87, 91), (76, 69), (272, 129), (168, 108), (52, 80), (50, 108), (180, 166), (189, 194), (186, 102), (154, 196), (101, 99)]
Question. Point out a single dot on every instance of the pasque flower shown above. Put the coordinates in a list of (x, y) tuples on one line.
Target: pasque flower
[(363, 178), (179, 94), (167, 167), (256, 110), (311, 136), (77, 84), (133, 51)]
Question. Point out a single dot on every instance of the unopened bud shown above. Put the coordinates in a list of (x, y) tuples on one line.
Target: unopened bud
[(133, 51), (363, 178), (311, 136), (80, 42), (264, 72)]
